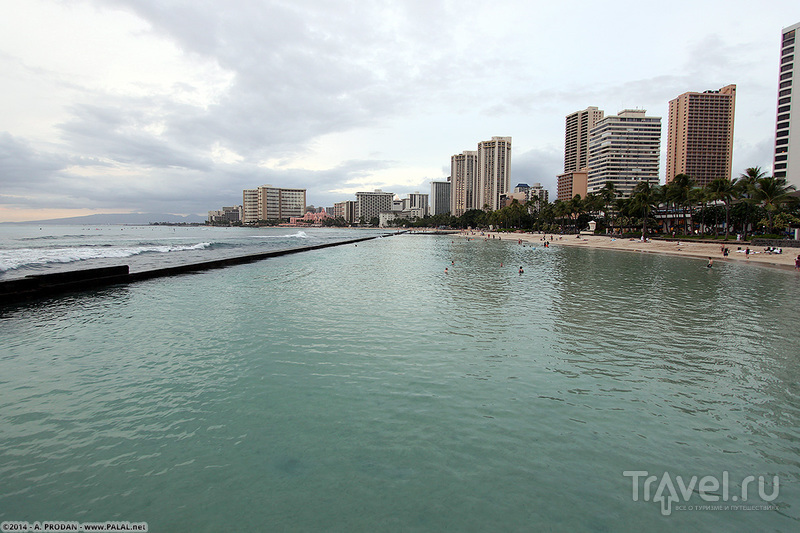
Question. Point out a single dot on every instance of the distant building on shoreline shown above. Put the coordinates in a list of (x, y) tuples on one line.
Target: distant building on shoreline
[(370, 204), (494, 171), (786, 163), (624, 149), (345, 210), (478, 178), (440, 197), (250, 206), (417, 200), (576, 137), (572, 183), (463, 182), (577, 126), (700, 135), (538, 194), (311, 218), (226, 215), (272, 203)]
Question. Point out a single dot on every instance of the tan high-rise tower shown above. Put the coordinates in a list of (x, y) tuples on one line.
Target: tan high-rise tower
[(700, 135), (494, 171), (576, 137), (463, 182), (576, 152)]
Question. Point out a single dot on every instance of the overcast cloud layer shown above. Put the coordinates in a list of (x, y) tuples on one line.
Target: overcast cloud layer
[(174, 106)]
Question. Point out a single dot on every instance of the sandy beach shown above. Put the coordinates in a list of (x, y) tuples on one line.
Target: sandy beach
[(699, 250)]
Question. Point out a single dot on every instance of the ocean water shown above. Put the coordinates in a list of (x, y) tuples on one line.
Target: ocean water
[(26, 249), (362, 388)]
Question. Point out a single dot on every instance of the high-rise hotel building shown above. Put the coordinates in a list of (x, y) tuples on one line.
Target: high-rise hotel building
[(624, 150), (700, 135), (440, 197), (576, 152), (576, 137), (250, 214), (272, 203), (478, 178), (463, 182), (494, 172), (787, 130), (370, 204)]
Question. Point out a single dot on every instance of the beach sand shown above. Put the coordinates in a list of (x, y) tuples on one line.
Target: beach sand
[(697, 250)]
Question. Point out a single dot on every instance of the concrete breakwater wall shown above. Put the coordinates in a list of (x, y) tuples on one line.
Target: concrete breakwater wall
[(44, 285), (776, 243)]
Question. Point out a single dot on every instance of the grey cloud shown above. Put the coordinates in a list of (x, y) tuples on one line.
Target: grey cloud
[(22, 166), (116, 130), (537, 166)]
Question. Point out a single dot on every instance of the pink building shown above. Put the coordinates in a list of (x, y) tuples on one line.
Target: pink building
[(309, 219)]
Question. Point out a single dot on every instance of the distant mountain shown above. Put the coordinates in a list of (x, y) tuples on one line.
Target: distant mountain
[(120, 218)]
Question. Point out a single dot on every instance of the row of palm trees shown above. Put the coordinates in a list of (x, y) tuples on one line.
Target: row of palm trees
[(754, 194)]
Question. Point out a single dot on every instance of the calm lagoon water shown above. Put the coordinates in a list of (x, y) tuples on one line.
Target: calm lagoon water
[(361, 388)]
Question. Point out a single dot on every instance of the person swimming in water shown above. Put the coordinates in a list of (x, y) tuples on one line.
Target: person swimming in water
[(520, 270), (710, 263)]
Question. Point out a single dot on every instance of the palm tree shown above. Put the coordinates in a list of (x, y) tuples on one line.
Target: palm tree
[(699, 195), (723, 190), (679, 192), (644, 200), (745, 189), (560, 210), (608, 194), (772, 193), (576, 209)]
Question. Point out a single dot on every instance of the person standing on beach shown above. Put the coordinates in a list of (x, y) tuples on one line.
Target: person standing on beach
[(797, 263), (747, 253)]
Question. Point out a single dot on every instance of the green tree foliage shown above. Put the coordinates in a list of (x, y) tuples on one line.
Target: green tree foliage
[(746, 203)]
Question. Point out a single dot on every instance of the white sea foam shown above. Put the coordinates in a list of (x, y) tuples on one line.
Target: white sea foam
[(21, 257), (298, 235)]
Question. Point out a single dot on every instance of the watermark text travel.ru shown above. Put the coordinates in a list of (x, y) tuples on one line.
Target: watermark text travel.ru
[(668, 492)]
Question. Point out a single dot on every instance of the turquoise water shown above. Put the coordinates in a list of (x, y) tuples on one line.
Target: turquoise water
[(362, 388)]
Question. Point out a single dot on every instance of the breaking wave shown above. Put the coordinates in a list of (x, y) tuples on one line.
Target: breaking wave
[(298, 235), (24, 257)]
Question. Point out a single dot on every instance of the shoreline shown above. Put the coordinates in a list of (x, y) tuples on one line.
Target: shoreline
[(688, 249)]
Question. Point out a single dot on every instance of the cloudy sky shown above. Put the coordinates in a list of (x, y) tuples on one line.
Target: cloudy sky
[(112, 106)]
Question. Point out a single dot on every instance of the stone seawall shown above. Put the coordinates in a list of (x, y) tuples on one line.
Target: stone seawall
[(775, 243), (45, 285)]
